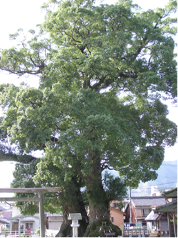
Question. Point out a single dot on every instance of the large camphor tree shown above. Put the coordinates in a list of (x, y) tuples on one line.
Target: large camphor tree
[(103, 71)]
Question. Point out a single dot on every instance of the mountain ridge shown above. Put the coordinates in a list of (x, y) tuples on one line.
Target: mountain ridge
[(167, 179)]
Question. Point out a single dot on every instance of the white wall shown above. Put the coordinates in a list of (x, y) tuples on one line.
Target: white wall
[(36, 225), (15, 211), (149, 225), (55, 222)]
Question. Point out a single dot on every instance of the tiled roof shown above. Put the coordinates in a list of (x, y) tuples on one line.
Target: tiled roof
[(148, 201), (171, 194), (169, 207)]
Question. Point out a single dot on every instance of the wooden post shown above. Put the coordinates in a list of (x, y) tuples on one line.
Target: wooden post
[(122, 228), (41, 212), (130, 208), (169, 228), (174, 220)]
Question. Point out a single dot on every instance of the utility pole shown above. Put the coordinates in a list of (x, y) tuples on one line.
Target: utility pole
[(130, 207)]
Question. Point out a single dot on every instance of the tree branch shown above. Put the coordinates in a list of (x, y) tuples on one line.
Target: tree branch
[(16, 158)]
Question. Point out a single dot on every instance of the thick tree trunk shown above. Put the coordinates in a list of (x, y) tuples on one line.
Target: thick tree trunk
[(98, 203), (75, 205), (66, 229)]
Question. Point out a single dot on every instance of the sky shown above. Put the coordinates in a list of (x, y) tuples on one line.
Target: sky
[(26, 14)]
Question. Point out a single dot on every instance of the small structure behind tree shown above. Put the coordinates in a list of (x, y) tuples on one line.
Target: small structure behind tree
[(170, 210)]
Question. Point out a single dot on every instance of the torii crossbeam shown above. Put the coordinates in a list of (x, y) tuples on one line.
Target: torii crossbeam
[(40, 192)]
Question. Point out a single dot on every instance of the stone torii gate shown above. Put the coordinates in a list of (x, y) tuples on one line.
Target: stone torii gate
[(39, 199)]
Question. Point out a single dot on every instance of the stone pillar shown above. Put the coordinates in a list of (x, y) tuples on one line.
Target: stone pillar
[(75, 217)]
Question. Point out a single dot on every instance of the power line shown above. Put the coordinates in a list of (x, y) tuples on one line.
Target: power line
[(171, 165), (149, 187)]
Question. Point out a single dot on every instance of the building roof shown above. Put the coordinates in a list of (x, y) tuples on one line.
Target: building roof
[(169, 207), (47, 214), (171, 193), (24, 217), (152, 216), (149, 201), (2, 209), (115, 209), (4, 221)]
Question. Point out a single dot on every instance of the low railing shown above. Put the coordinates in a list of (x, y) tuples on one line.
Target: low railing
[(51, 233), (141, 232), (9, 234), (27, 233), (135, 232), (23, 233)]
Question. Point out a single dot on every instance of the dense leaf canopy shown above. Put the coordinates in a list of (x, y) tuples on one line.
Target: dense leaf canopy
[(103, 71)]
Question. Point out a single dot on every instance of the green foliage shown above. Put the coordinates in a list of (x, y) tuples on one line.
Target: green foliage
[(37, 231), (172, 221), (4, 229), (103, 71), (114, 187), (23, 178)]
